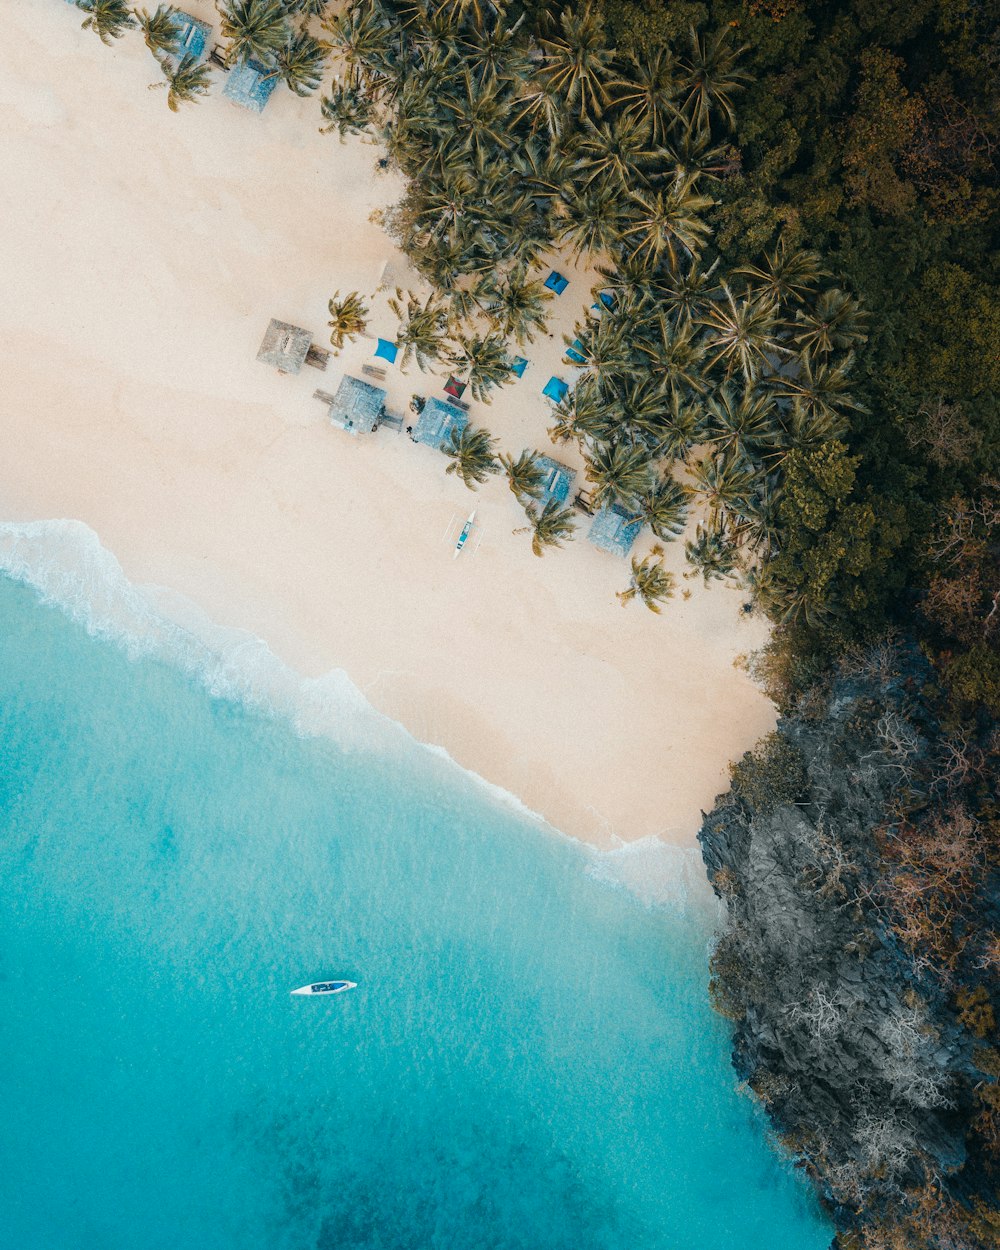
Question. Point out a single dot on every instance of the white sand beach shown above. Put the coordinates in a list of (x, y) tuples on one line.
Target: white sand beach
[(143, 254)]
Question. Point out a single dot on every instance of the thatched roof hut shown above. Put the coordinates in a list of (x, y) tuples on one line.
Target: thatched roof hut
[(284, 347)]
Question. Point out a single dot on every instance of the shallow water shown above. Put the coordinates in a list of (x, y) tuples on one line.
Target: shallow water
[(529, 1060)]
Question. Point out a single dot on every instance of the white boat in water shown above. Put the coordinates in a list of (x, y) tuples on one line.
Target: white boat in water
[(326, 987)]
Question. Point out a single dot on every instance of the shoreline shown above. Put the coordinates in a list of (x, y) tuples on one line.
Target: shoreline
[(134, 403), (66, 566)]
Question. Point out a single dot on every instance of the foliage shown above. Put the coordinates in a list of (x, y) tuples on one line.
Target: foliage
[(472, 455), (348, 317), (254, 28), (186, 80), (159, 29), (108, 19), (650, 582), (549, 526)]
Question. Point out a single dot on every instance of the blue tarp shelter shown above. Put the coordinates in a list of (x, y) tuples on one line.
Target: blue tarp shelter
[(249, 84), (556, 282), (519, 366), (357, 406), (387, 351), (192, 35), (436, 422), (555, 389), (574, 353), (614, 529), (558, 481)]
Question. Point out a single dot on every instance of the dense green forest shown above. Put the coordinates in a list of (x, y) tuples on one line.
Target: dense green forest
[(791, 207)]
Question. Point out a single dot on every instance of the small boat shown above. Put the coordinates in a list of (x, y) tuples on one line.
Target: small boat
[(326, 987), (466, 531)]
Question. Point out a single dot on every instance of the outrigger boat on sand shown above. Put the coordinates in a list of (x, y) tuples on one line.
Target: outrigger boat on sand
[(326, 987), (463, 537)]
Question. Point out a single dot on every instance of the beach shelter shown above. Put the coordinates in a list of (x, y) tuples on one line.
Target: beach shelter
[(454, 387), (250, 84), (556, 282), (285, 346), (436, 422), (574, 353), (557, 482), (615, 530), (555, 389), (386, 350), (519, 366), (357, 406), (192, 35)]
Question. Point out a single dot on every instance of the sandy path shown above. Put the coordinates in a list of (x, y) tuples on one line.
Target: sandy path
[(142, 255)]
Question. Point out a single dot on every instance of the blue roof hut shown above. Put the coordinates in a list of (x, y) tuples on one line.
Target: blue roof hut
[(436, 423), (192, 35), (285, 346), (357, 406), (558, 480), (615, 530), (250, 84)]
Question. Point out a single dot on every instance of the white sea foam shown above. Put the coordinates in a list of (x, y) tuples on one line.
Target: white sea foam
[(65, 562)]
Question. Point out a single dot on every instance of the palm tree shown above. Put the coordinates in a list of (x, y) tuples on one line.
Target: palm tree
[(647, 92), (495, 53), (549, 527), (593, 219), (605, 352), (254, 28), (674, 354), (348, 318), (821, 389), (742, 333), (613, 150), (786, 274), (743, 427), (650, 582), (307, 8), (485, 359), (710, 78), (159, 29), (517, 304), (472, 455), (725, 482), (577, 61), (711, 553), (524, 475), (108, 19), (664, 508), (423, 333), (835, 321), (362, 35), (620, 473), (758, 525), (347, 109), (667, 219), (300, 63), (186, 81), (688, 290)]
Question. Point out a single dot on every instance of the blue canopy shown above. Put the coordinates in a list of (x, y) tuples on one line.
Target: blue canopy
[(436, 422), (387, 351), (614, 529), (556, 282), (519, 366), (573, 353), (250, 84), (555, 389)]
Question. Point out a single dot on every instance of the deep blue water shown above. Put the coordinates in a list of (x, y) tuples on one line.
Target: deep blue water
[(529, 1060)]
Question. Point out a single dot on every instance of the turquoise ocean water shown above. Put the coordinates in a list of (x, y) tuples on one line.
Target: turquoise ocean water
[(529, 1061)]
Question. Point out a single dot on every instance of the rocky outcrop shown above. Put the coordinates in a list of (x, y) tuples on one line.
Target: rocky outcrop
[(851, 1044)]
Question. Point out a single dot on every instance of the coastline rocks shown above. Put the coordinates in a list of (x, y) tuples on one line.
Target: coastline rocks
[(854, 1051)]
